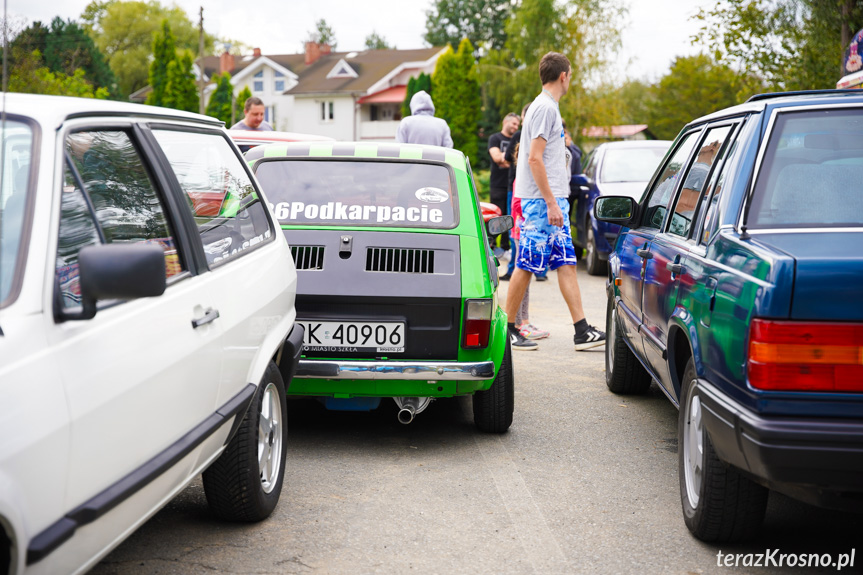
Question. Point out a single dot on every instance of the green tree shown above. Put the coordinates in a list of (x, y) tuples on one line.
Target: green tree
[(220, 103), (323, 34), (181, 90), (375, 41), (457, 96), (480, 21), (164, 52), (123, 32), (695, 86), (421, 83), (240, 105), (31, 76)]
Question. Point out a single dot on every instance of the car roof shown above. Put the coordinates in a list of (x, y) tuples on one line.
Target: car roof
[(272, 136), (54, 110), (636, 144), (360, 150), (760, 102)]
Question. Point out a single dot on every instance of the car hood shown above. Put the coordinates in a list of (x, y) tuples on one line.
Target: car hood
[(828, 273), (631, 189)]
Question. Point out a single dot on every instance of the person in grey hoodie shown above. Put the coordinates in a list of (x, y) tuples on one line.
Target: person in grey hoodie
[(421, 127)]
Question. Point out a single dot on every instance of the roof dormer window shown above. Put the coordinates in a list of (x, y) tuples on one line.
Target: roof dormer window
[(342, 70)]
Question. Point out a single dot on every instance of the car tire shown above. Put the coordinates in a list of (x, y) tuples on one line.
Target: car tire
[(493, 408), (719, 503), (594, 265), (244, 484), (624, 374)]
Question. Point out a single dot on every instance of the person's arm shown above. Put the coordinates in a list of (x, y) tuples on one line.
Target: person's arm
[(509, 156), (537, 170), (495, 153), (447, 139), (401, 136)]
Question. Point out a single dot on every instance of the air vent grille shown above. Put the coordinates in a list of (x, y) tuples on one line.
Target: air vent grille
[(308, 257), (398, 260)]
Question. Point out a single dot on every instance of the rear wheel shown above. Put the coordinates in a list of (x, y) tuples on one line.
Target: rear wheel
[(624, 374), (244, 484), (719, 503), (594, 265), (493, 408)]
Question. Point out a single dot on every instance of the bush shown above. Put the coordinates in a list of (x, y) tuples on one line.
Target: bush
[(481, 178)]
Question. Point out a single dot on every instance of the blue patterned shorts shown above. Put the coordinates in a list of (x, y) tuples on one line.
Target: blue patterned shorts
[(541, 243)]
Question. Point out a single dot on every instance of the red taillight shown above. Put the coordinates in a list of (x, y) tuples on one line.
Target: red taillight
[(477, 322), (805, 356)]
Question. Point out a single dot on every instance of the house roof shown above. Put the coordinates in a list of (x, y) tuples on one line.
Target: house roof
[(623, 131), (396, 94)]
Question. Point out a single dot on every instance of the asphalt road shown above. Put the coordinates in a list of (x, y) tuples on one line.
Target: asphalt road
[(584, 482)]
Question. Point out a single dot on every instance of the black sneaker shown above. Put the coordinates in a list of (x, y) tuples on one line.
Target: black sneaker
[(505, 277), (519, 342), (590, 338), (542, 278)]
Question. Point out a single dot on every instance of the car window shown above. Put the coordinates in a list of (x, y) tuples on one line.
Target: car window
[(695, 181), (708, 212), (663, 187), (590, 170), (359, 193), (812, 171), (230, 215), (17, 139), (630, 164), (118, 203)]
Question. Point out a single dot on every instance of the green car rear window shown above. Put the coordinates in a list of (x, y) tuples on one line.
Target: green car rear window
[(359, 193)]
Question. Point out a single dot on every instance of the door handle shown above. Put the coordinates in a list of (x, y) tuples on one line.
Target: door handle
[(676, 268), (209, 316), (645, 253)]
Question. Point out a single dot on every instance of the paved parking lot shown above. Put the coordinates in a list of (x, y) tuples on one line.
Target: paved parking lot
[(584, 482)]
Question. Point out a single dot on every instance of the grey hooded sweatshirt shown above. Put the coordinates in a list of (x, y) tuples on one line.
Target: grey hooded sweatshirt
[(421, 127)]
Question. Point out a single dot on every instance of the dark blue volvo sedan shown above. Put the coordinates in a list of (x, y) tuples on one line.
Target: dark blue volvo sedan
[(738, 287)]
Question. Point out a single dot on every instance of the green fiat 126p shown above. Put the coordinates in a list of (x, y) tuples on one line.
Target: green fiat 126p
[(397, 285)]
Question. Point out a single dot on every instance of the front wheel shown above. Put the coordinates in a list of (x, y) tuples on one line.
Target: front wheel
[(244, 484), (624, 374), (719, 503), (493, 408)]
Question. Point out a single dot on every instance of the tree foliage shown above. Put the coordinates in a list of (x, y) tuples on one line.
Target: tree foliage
[(323, 34), (375, 41), (480, 21), (123, 31), (457, 96), (181, 92), (240, 105), (31, 76), (219, 105), (164, 52), (784, 44), (695, 86), (422, 83), (63, 49)]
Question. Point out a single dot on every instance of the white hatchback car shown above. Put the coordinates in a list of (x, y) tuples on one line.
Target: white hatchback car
[(146, 327)]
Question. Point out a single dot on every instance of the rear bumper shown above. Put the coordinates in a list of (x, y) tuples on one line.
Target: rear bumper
[(816, 460), (397, 370)]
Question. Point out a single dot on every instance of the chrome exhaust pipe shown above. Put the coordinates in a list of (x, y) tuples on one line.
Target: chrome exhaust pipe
[(410, 407)]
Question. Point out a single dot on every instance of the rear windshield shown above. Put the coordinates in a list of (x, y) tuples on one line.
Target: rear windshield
[(812, 173), (631, 164), (364, 193)]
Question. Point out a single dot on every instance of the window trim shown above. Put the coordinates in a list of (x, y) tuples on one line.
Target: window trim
[(27, 225)]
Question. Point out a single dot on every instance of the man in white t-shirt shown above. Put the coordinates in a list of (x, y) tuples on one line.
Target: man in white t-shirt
[(542, 183)]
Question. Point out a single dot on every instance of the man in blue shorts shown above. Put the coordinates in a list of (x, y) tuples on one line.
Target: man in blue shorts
[(542, 183)]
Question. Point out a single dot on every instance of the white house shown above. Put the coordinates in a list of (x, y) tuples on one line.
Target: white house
[(343, 95)]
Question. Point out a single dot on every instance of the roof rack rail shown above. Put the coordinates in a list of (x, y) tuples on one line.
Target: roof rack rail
[(770, 95)]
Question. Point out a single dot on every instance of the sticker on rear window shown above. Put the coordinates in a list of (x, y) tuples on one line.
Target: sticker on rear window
[(432, 195)]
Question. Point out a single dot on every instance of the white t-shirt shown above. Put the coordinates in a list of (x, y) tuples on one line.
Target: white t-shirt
[(543, 121)]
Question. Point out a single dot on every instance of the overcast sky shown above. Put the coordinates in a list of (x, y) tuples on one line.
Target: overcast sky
[(657, 31)]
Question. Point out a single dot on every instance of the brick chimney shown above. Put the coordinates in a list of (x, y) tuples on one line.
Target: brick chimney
[(314, 51), (226, 62), (256, 52)]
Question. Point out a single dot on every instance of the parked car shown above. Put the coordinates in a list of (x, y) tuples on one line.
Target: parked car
[(397, 287), (143, 341), (738, 288), (614, 168), (248, 139)]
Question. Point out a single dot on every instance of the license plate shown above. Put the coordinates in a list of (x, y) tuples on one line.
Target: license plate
[(378, 337)]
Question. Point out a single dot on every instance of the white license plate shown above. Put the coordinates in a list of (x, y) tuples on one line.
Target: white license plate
[(380, 337)]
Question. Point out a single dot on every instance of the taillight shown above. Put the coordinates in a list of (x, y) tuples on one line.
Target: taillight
[(477, 322), (805, 356)]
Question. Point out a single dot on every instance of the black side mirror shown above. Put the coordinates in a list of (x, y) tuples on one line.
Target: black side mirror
[(119, 271), (615, 210), (499, 225)]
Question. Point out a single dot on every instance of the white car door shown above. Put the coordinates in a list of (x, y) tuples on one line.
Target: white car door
[(142, 374)]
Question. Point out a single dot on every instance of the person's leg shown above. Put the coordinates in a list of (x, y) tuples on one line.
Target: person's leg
[(567, 279), (522, 316)]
